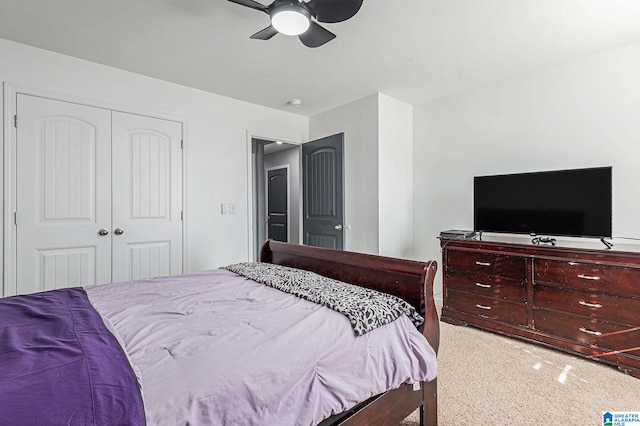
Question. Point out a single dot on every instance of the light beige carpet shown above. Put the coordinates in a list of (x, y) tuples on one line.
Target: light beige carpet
[(487, 379)]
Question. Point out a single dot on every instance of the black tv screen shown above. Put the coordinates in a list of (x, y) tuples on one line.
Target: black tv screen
[(555, 203)]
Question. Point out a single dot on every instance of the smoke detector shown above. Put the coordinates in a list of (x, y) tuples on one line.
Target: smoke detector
[(295, 102)]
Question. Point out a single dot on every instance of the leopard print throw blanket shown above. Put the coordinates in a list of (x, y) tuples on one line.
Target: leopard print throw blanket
[(366, 309)]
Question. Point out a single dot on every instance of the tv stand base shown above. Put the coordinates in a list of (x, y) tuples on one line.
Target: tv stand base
[(544, 240), (606, 243)]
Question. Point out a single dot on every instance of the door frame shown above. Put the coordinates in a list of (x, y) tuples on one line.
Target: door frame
[(266, 179), (252, 243), (8, 166)]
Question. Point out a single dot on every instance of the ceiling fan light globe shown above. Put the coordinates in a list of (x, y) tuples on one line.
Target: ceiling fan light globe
[(290, 21)]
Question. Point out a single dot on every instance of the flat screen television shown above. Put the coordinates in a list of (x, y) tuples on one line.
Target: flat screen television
[(556, 203)]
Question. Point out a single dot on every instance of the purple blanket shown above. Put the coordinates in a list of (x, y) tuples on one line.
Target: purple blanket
[(60, 365)]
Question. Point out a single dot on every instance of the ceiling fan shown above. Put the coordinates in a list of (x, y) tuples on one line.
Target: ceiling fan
[(297, 17)]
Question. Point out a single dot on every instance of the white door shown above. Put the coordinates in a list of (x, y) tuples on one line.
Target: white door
[(147, 181), (63, 195), (98, 195)]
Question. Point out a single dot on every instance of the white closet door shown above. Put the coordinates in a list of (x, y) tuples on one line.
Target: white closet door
[(63, 195), (147, 194)]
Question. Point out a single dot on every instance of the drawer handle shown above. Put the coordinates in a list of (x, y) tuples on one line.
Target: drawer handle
[(593, 333), (483, 263), (483, 285), (588, 277), (484, 307), (590, 305)]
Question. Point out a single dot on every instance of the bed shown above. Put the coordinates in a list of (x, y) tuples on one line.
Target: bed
[(152, 351)]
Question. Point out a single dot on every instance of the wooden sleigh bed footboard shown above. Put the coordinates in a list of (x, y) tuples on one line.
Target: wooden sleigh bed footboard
[(410, 280)]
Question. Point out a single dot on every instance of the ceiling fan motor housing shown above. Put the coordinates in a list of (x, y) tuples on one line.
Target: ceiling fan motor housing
[(290, 17)]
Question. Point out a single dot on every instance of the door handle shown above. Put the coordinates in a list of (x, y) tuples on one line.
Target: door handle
[(103, 232), (338, 227), (119, 231)]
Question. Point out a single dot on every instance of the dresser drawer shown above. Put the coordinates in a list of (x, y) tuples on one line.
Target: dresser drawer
[(594, 305), (588, 276), (510, 267), (487, 307), (487, 286), (589, 331)]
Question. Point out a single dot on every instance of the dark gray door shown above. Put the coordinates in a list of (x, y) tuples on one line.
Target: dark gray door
[(277, 205), (323, 192)]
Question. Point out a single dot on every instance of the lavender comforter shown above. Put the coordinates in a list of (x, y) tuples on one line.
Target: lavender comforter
[(215, 348)]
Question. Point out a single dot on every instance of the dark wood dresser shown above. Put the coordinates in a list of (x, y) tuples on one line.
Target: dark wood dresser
[(584, 301)]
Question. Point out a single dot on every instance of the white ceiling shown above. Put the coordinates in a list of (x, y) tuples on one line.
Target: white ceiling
[(412, 50)]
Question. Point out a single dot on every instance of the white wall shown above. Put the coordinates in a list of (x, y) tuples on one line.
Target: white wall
[(378, 172), (578, 114), (395, 174), (359, 123), (585, 113), (216, 138)]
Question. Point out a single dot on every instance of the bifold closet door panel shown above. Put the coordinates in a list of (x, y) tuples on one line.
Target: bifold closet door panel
[(98, 196), (147, 194), (63, 195)]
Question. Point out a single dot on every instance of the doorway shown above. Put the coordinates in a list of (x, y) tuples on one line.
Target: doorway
[(322, 163), (268, 156)]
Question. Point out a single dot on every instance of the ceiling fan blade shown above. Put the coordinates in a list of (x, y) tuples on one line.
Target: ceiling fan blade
[(316, 36), (331, 11), (252, 4), (265, 34)]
